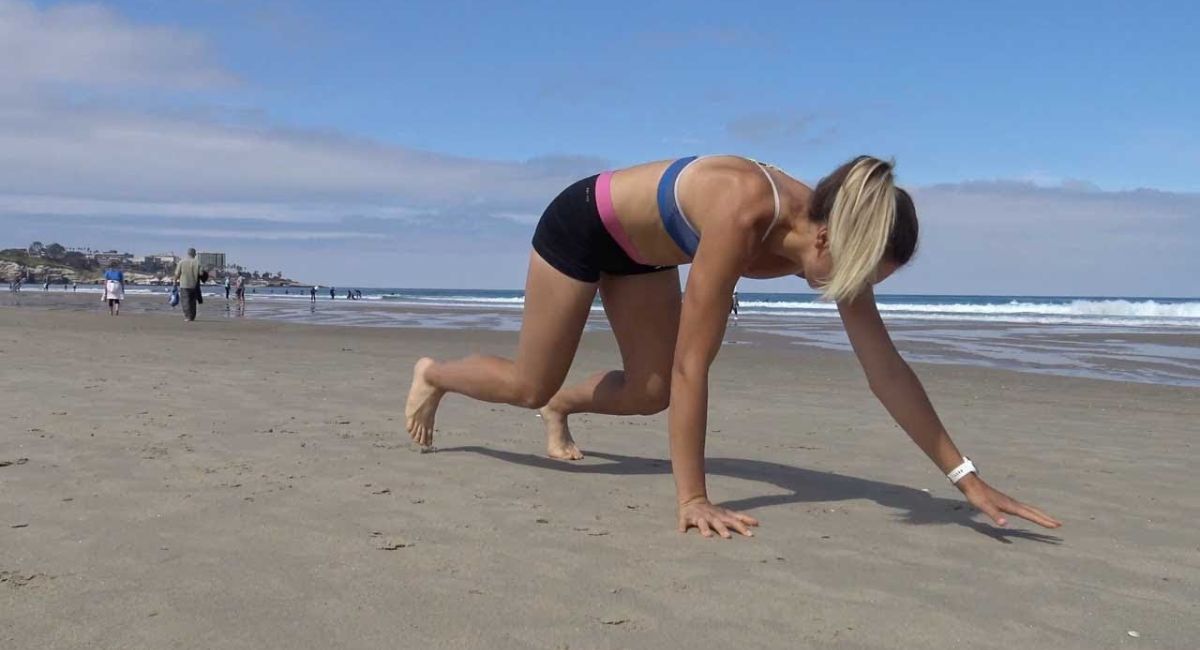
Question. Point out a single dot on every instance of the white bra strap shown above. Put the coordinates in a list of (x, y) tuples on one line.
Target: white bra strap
[(775, 193)]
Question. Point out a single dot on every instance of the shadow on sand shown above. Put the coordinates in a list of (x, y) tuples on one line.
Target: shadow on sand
[(802, 486)]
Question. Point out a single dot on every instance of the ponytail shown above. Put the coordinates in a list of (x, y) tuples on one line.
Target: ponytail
[(861, 205)]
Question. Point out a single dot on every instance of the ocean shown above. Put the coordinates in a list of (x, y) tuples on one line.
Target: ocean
[(1124, 338), (1055, 310)]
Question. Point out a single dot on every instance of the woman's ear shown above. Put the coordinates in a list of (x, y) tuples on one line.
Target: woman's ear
[(822, 239)]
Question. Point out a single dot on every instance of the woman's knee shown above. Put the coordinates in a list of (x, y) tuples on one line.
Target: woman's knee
[(532, 395), (654, 395)]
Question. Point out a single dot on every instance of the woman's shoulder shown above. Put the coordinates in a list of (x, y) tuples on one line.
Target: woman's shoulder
[(729, 173), (727, 183)]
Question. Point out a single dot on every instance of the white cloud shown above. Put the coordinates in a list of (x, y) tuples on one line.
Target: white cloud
[(775, 126), (80, 155), (33, 205), (95, 153), (90, 45), (278, 234), (1014, 237)]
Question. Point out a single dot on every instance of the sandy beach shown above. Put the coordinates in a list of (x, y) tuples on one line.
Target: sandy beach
[(248, 484)]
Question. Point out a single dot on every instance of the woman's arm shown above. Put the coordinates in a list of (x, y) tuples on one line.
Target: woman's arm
[(725, 248), (901, 393)]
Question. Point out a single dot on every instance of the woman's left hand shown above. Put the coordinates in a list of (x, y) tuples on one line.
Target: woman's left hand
[(996, 504)]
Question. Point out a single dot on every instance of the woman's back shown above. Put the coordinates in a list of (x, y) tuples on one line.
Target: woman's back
[(711, 185)]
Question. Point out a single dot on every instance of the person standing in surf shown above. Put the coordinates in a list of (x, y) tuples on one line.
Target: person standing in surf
[(239, 291), (623, 234)]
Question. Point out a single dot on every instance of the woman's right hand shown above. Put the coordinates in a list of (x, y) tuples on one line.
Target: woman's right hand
[(996, 504), (706, 517)]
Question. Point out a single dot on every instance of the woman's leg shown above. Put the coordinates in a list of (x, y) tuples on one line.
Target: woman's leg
[(644, 313), (556, 309)]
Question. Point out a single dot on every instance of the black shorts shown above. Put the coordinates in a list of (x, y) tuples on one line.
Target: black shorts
[(571, 237)]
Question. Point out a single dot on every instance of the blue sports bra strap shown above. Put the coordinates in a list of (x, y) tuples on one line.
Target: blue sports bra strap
[(668, 209)]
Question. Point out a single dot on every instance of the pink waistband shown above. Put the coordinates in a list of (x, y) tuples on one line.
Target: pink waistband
[(608, 216)]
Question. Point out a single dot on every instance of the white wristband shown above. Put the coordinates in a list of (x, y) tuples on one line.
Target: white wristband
[(962, 470)]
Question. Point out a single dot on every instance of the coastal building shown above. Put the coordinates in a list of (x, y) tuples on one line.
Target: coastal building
[(108, 257), (211, 260), (165, 259)]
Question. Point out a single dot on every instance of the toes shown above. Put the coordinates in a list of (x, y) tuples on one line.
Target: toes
[(565, 453)]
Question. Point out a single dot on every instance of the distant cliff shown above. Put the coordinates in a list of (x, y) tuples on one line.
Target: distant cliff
[(17, 263)]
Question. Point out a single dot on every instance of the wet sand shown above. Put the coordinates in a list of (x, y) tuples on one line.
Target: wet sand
[(247, 484), (1143, 354)]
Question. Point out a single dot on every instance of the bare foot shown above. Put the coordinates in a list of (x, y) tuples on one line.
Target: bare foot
[(423, 399), (559, 443)]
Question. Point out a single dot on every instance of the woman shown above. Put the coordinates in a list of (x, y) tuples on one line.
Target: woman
[(114, 287), (623, 233)]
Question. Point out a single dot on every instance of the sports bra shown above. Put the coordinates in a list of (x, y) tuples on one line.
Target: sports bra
[(678, 226)]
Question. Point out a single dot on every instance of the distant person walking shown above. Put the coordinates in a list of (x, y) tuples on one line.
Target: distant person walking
[(733, 308), (227, 287), (74, 286), (312, 294), (114, 288), (332, 295), (46, 285), (239, 291), (187, 278)]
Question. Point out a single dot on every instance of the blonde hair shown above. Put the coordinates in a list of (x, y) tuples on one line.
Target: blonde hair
[(860, 222)]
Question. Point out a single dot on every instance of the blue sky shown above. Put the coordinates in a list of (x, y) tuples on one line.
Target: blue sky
[(379, 135), (954, 90)]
